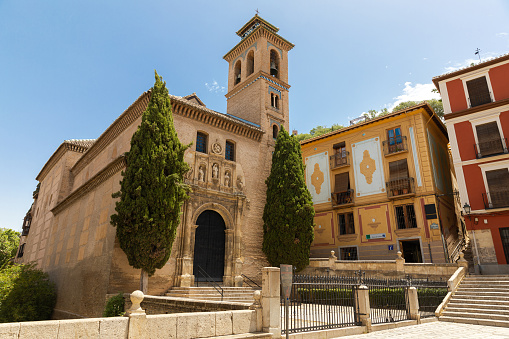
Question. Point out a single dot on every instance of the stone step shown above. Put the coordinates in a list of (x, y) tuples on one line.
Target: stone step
[(198, 289), (484, 285), (244, 336), (485, 322), (476, 315), (486, 278), (483, 295), (478, 301), (486, 311), (484, 307), (500, 288)]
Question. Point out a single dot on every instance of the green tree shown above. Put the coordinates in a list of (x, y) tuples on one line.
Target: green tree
[(288, 214), (434, 103), (9, 242), (152, 189), (26, 294)]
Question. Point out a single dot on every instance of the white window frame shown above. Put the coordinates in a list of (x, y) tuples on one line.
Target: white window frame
[(484, 73), (492, 166), (487, 118)]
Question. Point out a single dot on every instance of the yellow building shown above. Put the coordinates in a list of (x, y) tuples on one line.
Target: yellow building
[(383, 186)]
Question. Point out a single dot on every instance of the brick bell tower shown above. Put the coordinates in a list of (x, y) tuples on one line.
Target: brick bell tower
[(258, 77)]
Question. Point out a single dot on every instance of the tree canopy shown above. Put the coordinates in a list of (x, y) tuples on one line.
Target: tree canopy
[(152, 188), (9, 242), (288, 214)]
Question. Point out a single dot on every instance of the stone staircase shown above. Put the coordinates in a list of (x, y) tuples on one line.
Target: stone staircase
[(481, 300), (230, 294)]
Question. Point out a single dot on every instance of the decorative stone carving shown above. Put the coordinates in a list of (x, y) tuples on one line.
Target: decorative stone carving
[(201, 173), (227, 178), (240, 183), (216, 148), (215, 171), (189, 174), (136, 299)]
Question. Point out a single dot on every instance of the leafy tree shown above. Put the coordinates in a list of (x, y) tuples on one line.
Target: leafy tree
[(434, 103), (317, 131), (115, 306), (152, 189), (9, 242), (288, 214), (26, 294)]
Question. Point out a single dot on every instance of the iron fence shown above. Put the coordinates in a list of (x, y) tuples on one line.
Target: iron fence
[(388, 299), (430, 293), (320, 302)]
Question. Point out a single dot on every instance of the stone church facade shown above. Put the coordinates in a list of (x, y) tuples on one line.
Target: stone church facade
[(68, 232)]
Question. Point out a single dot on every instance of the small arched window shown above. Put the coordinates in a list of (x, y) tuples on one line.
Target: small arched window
[(274, 63), (250, 63), (275, 131), (237, 72), (274, 100)]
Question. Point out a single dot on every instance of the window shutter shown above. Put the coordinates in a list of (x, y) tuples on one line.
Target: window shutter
[(498, 183), (398, 169), (341, 182), (478, 91), (489, 140)]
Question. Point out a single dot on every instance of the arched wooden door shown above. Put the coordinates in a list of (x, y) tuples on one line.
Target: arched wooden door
[(209, 246)]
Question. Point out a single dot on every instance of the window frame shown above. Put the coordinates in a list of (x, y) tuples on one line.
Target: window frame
[(206, 136), (348, 220), (485, 119), (275, 128), (405, 217), (341, 248), (474, 76), (492, 166), (233, 146)]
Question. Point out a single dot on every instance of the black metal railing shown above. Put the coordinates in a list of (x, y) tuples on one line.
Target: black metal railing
[(321, 302), (496, 199), (430, 293), (400, 187), (340, 160), (209, 281), (395, 145), (387, 299), (342, 198), (490, 148), (250, 282)]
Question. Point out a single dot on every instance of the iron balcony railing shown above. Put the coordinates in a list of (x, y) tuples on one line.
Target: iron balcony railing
[(340, 160), (395, 145), (490, 147), (342, 198), (496, 199), (401, 186)]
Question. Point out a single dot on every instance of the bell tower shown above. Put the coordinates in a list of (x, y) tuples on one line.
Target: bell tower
[(258, 76)]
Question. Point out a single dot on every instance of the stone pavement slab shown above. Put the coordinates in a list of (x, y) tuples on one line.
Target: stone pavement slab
[(438, 329)]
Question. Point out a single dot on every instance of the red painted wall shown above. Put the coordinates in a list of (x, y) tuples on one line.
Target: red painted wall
[(504, 121), (456, 95), (465, 139), (475, 186), (494, 223), (499, 83)]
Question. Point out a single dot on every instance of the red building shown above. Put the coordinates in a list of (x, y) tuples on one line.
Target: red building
[(476, 106)]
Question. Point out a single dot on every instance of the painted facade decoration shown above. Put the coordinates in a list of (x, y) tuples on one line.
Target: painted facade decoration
[(383, 195), (476, 107)]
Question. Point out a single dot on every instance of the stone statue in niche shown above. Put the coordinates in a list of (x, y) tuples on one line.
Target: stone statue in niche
[(240, 183), (189, 174), (201, 174), (227, 178), (215, 171)]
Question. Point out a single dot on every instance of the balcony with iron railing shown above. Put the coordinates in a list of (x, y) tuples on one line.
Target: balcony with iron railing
[(340, 160), (400, 188), (395, 145), (490, 148), (342, 199), (496, 199)]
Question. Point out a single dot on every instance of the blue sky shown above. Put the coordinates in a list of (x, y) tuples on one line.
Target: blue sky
[(69, 68)]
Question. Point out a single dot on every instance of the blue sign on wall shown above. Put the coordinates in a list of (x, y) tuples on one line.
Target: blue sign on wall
[(391, 247)]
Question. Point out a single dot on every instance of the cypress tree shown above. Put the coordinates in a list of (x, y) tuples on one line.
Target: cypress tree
[(288, 214), (152, 190)]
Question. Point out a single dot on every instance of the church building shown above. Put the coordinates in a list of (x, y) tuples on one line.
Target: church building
[(68, 232)]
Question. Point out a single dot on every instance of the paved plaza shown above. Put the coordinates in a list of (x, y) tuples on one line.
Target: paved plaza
[(439, 329)]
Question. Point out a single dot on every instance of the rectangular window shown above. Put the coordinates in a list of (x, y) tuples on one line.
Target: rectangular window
[(488, 138), (431, 211), (405, 217), (348, 253), (394, 140), (478, 91), (21, 251), (229, 153), (201, 142), (340, 154), (346, 223), (399, 182), (498, 186)]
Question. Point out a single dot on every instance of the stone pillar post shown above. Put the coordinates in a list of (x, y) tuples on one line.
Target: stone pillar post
[(332, 260), (400, 263), (229, 262), (137, 317), (257, 306), (462, 262), (187, 277), (271, 310), (413, 304), (363, 307)]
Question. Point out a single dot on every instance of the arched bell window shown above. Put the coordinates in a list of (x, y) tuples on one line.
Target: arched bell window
[(237, 72), (250, 63), (275, 131), (274, 100), (274, 63)]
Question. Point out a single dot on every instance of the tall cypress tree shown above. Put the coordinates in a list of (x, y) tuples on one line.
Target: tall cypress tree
[(152, 189), (288, 214)]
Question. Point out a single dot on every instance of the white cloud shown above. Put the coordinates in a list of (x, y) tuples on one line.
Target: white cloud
[(502, 34), (418, 92), (485, 56), (215, 87)]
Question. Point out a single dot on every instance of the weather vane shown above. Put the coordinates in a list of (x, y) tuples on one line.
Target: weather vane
[(478, 54), (257, 11)]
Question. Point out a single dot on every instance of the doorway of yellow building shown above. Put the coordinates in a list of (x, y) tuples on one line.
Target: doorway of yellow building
[(411, 250)]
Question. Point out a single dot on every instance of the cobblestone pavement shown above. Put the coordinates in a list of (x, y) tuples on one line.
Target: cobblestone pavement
[(439, 329)]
